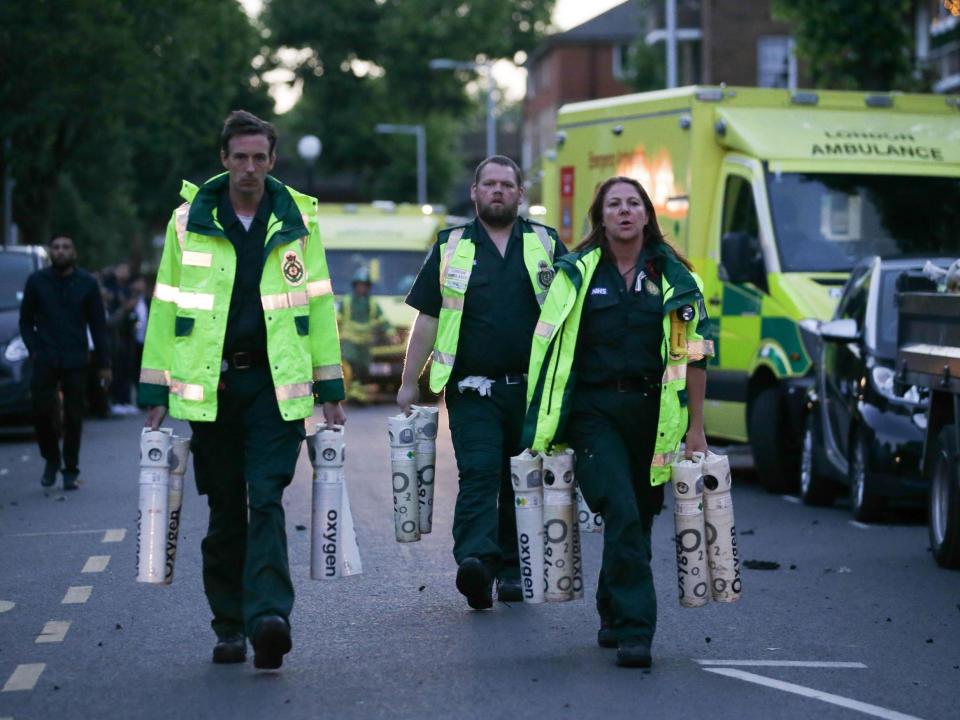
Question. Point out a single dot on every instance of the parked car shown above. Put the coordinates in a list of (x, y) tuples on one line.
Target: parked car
[(16, 265), (863, 433)]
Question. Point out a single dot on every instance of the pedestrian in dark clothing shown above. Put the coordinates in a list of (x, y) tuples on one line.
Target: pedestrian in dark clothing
[(59, 304)]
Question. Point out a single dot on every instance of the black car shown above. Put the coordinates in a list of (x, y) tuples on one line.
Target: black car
[(16, 265), (864, 433)]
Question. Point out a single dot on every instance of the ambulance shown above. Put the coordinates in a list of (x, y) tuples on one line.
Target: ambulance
[(391, 241), (773, 195)]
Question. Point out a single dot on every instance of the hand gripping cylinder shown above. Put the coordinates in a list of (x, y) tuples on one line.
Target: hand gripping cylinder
[(722, 553), (526, 476), (403, 464), (333, 543), (425, 430), (692, 577), (180, 455), (559, 519), (153, 515)]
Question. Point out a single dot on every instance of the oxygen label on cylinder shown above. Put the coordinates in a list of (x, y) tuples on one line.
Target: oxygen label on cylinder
[(526, 567), (688, 507), (173, 531), (329, 547), (402, 454)]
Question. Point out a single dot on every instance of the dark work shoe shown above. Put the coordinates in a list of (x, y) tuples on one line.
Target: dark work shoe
[(49, 476), (606, 635), (70, 479), (474, 581), (271, 642), (634, 652), (509, 590), (230, 649)]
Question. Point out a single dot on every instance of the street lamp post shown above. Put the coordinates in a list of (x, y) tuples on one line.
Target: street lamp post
[(421, 133), (309, 148), (485, 69)]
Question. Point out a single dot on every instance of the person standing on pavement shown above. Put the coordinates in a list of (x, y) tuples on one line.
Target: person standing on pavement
[(361, 322), (59, 304), (478, 296), (617, 369), (241, 340)]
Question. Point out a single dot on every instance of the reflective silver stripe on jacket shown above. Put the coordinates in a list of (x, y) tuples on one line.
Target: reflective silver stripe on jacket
[(197, 259), (443, 358), (194, 300), (319, 287), (285, 300), (663, 459), (155, 377), (544, 329), (294, 391), (545, 238), (180, 217), (187, 391), (452, 303), (167, 293), (675, 372), (327, 372), (451, 247), (699, 349)]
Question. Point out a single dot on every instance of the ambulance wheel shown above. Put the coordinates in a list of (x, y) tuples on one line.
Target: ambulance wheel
[(865, 503), (944, 501), (815, 489), (775, 463)]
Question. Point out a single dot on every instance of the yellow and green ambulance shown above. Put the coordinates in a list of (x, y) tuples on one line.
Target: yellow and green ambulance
[(773, 195)]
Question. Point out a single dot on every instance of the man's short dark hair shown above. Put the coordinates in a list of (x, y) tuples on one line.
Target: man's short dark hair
[(241, 122), (499, 160), (58, 235)]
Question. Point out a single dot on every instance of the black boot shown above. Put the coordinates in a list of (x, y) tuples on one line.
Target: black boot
[(230, 649), (49, 476), (509, 590), (634, 652), (606, 635), (475, 582), (271, 642)]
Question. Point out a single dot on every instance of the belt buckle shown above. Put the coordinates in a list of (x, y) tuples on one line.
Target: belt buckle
[(241, 361), (509, 379)]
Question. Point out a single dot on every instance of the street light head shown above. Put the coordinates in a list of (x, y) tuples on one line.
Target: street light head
[(441, 64), (309, 147)]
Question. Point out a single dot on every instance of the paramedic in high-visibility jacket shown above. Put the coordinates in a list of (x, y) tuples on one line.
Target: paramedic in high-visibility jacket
[(241, 341), (618, 373)]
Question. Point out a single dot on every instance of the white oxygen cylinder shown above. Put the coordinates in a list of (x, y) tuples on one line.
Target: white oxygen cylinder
[(722, 554), (559, 517), (180, 454), (525, 474), (152, 512), (692, 573), (403, 463), (577, 563), (425, 430), (327, 453), (588, 520)]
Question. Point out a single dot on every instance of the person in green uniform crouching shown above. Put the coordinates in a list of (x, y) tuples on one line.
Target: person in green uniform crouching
[(361, 321), (617, 368), (241, 339), (478, 296)]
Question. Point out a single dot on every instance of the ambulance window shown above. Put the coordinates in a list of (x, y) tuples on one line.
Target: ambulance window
[(739, 212)]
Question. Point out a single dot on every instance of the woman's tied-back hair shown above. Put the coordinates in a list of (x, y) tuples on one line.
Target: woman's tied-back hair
[(652, 235), (241, 122)]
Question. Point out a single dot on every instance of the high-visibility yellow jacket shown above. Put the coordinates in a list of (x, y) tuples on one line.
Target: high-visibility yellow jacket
[(183, 350), (361, 332), (456, 265), (551, 377)]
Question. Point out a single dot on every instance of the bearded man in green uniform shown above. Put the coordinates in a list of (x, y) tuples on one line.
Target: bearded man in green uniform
[(478, 296), (241, 340)]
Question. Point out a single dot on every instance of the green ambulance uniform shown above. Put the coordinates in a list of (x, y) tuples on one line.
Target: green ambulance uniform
[(498, 314), (361, 319), (241, 337), (607, 386)]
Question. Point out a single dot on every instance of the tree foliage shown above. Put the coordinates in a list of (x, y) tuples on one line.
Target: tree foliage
[(853, 44), (363, 62)]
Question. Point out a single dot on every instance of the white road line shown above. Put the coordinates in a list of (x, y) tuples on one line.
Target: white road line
[(791, 499), (6, 606), (783, 663), (77, 595), (24, 677), (115, 535), (54, 631), (96, 563), (826, 697), (97, 531), (859, 525)]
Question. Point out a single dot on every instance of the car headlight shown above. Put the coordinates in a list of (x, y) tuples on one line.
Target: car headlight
[(16, 351)]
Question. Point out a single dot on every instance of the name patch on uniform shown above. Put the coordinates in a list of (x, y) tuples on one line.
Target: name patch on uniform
[(293, 271), (457, 279), (599, 291)]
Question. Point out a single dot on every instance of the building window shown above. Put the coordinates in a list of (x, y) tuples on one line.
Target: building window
[(774, 55), (623, 62)]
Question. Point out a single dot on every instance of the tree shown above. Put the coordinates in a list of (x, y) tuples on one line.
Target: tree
[(853, 44), (361, 62)]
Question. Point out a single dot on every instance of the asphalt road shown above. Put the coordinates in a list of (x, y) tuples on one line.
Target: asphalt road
[(857, 621)]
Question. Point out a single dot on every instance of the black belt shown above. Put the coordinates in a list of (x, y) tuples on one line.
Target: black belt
[(515, 379), (632, 384), (244, 360)]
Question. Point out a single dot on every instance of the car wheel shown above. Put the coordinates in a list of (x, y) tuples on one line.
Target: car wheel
[(944, 501), (776, 467), (815, 489), (865, 503)]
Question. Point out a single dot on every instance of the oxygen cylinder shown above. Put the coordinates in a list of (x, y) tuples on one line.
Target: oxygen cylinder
[(403, 462), (558, 521), (577, 563), (180, 454), (327, 453), (425, 430), (525, 474), (152, 514), (692, 571), (721, 531), (588, 520)]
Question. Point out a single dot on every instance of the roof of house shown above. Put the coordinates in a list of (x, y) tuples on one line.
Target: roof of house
[(619, 24)]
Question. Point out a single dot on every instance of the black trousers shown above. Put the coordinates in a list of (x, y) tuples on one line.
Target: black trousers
[(46, 385)]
